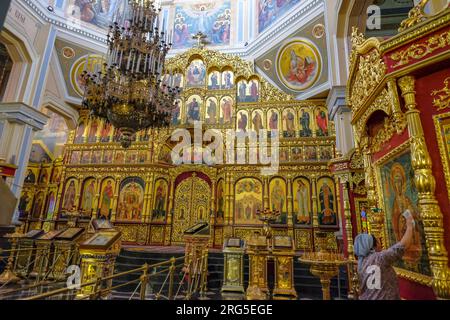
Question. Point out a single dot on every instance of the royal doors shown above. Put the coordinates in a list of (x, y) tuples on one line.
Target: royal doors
[(192, 205)]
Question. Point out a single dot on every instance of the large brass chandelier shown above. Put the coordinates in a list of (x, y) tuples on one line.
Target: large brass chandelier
[(128, 91)]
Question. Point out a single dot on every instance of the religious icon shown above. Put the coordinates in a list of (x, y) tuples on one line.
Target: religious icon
[(131, 157), (284, 155), (227, 80), (273, 120), (96, 156), (243, 121), (305, 123), (226, 107), (327, 214), (214, 79), (254, 91), (211, 111), (401, 203), (248, 200), (400, 194), (106, 132), (92, 137), (311, 153), (31, 177), (299, 64), (159, 211), (178, 80), (76, 157), (85, 157), (25, 200), (107, 156), (106, 199), (79, 134), (193, 109), (120, 157), (44, 176), (142, 156), (322, 124), (257, 122), (297, 154), (176, 112), (302, 201), (196, 74), (88, 196), (69, 196), (211, 19), (288, 123), (277, 195), (242, 91), (37, 208), (131, 199)]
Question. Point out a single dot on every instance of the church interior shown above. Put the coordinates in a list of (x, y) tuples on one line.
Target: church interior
[(222, 150)]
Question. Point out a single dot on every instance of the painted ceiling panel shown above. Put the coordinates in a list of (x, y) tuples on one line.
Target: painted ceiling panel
[(300, 62)]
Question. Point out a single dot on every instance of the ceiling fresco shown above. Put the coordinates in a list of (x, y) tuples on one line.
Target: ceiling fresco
[(299, 63)]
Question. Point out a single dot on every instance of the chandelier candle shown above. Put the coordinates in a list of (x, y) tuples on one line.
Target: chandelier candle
[(128, 91)]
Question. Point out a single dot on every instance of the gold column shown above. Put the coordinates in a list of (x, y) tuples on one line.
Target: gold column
[(430, 212), (232, 195), (60, 191), (171, 197), (212, 217), (169, 210), (115, 200), (314, 203), (290, 221), (226, 214), (147, 210), (97, 197), (266, 203)]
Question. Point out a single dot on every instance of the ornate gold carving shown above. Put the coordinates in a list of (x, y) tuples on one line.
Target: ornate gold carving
[(418, 51), (415, 16), (303, 240), (371, 70), (443, 96), (157, 234)]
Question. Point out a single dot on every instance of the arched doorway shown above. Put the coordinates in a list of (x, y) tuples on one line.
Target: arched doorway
[(192, 204)]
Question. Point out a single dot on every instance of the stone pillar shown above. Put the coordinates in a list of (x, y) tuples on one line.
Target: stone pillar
[(19, 123), (341, 115)]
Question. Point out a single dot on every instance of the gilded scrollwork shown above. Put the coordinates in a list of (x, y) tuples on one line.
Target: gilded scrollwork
[(418, 51), (442, 100), (415, 16)]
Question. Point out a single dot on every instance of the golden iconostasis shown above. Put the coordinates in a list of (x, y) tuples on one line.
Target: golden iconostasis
[(153, 200)]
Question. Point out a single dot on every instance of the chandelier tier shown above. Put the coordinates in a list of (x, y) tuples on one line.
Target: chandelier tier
[(128, 91)]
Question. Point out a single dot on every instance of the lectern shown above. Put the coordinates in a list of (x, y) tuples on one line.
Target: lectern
[(283, 254), (98, 256), (233, 275)]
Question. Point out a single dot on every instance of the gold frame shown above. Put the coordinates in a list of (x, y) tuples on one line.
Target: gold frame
[(404, 148), (442, 150)]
